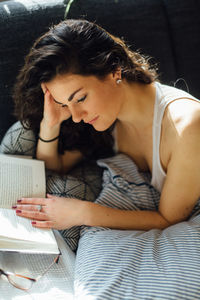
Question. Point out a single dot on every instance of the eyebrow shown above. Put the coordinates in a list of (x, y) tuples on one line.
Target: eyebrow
[(73, 94), (70, 97)]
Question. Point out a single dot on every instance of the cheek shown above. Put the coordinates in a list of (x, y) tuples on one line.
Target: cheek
[(110, 106), (96, 105), (104, 102)]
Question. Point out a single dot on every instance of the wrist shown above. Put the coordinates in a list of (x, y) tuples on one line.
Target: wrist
[(87, 213), (48, 132), (48, 141), (45, 125), (95, 214)]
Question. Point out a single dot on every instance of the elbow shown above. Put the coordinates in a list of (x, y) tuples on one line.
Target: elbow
[(166, 222), (53, 164)]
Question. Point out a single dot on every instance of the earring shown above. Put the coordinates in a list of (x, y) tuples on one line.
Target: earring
[(118, 81)]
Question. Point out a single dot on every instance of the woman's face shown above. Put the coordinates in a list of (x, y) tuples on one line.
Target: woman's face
[(89, 99)]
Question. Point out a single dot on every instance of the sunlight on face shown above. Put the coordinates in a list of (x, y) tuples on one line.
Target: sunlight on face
[(88, 98)]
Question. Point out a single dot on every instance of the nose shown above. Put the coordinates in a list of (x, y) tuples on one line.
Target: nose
[(77, 114)]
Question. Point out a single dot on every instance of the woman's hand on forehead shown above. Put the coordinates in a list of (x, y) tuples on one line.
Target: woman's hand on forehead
[(54, 114)]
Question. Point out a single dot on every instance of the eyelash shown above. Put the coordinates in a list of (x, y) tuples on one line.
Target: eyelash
[(78, 101), (82, 99)]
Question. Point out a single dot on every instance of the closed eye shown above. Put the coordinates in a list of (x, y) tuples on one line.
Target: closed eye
[(78, 101), (62, 105), (82, 99)]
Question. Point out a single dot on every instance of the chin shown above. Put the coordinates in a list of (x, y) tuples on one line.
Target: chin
[(102, 126)]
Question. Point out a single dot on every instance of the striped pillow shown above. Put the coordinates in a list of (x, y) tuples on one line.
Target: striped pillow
[(133, 264)]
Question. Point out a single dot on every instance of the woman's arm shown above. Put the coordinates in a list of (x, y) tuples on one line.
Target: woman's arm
[(62, 213), (180, 193), (53, 116), (48, 151), (182, 185)]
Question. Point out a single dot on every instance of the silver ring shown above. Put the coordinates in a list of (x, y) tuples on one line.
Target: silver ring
[(39, 207)]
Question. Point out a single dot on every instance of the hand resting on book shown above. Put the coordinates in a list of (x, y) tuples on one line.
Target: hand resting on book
[(57, 212)]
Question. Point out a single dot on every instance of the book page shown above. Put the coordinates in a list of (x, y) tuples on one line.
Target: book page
[(17, 233), (20, 177), (56, 284)]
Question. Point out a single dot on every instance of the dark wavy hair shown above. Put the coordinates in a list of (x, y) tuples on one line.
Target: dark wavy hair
[(77, 47)]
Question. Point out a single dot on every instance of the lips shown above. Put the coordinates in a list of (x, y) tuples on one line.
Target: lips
[(93, 120)]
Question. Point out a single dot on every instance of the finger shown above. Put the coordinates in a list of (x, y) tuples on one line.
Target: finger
[(50, 196), (27, 207), (33, 201), (48, 101), (42, 224), (47, 98), (43, 87), (65, 113), (35, 215)]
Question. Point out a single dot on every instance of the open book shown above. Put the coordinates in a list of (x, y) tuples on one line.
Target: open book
[(22, 177)]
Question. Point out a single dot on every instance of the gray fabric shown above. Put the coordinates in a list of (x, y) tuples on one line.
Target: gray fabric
[(83, 182)]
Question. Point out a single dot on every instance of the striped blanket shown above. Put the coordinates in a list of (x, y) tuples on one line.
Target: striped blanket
[(124, 264)]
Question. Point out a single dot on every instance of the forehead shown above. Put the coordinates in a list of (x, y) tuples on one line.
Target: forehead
[(66, 84), (62, 86), (73, 80), (65, 80)]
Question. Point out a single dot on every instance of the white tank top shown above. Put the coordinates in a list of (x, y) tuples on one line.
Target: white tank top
[(164, 95)]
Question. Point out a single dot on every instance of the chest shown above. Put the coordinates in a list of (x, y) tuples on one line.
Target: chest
[(138, 145)]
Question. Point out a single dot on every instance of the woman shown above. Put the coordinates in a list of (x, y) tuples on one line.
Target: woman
[(92, 79)]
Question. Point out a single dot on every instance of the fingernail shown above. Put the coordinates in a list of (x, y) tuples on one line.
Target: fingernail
[(19, 200), (33, 222), (18, 211), (14, 206)]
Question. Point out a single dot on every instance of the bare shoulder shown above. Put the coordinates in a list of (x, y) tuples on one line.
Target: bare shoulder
[(184, 114), (180, 128), (181, 117), (184, 120)]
